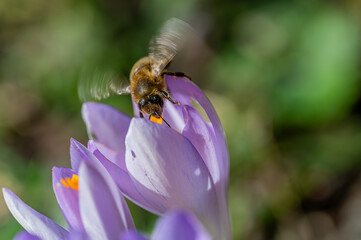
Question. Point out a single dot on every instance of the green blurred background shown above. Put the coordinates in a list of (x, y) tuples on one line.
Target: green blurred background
[(284, 77)]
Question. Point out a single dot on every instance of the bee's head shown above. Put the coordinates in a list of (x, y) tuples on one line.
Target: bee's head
[(153, 105)]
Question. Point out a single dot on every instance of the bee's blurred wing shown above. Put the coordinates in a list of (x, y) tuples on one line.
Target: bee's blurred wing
[(171, 39), (97, 85)]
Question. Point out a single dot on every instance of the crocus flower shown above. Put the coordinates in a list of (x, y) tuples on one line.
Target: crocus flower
[(179, 225), (162, 168), (99, 213), (175, 225)]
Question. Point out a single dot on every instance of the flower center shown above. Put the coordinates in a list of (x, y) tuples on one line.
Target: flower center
[(71, 182)]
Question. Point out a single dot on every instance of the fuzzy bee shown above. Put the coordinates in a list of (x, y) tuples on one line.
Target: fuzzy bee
[(147, 86)]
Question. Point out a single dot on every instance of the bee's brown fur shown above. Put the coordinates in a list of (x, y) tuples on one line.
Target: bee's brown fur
[(144, 82)]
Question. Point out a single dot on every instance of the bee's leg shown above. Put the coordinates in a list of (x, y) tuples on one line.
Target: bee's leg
[(166, 95), (176, 74), (141, 114), (161, 118)]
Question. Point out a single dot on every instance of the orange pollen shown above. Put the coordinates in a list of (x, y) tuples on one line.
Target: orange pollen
[(156, 120), (72, 182)]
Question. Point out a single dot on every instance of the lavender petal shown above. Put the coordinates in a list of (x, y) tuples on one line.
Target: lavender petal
[(103, 210), (169, 171), (185, 91), (131, 235), (113, 156), (68, 198), (124, 182), (32, 221), (77, 235), (173, 115), (107, 124), (179, 225), (79, 153), (201, 136)]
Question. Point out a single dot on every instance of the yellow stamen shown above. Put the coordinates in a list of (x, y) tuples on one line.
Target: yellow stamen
[(72, 182), (156, 120), (64, 183)]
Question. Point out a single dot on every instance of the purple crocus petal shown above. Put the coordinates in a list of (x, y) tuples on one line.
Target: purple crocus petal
[(169, 171), (201, 136), (91, 146), (77, 235), (173, 115), (24, 235), (107, 124), (120, 176), (103, 210), (84, 156), (124, 182), (33, 222), (179, 225), (184, 91), (68, 198), (131, 235), (75, 157), (113, 156), (79, 153)]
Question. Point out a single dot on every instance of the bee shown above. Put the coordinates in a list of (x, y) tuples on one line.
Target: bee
[(147, 78)]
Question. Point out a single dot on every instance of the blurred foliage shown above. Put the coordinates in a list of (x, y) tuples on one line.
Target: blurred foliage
[(283, 76)]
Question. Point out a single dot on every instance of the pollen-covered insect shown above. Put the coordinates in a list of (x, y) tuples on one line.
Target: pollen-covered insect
[(147, 78)]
